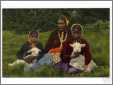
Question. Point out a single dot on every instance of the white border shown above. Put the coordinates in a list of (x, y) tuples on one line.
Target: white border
[(59, 4), (56, 4)]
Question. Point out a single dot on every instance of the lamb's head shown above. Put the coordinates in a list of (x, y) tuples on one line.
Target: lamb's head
[(35, 51), (76, 48)]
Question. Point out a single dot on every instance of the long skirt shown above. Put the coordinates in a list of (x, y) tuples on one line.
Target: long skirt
[(79, 63), (62, 66), (48, 60)]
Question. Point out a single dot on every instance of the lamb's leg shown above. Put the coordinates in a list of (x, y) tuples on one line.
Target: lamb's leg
[(17, 62), (27, 56)]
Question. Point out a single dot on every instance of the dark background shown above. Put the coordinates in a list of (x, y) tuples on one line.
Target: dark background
[(24, 20)]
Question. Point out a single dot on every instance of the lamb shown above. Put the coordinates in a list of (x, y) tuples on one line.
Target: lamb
[(29, 59), (78, 61), (34, 52), (76, 48)]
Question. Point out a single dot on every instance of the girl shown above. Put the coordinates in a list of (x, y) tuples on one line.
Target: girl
[(81, 58), (29, 51)]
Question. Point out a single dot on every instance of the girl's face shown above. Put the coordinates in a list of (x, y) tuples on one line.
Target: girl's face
[(76, 34), (61, 24), (31, 39)]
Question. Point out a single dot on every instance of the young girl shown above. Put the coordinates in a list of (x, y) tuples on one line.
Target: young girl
[(81, 55), (29, 51)]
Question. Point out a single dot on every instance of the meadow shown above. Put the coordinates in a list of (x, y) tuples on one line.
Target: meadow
[(12, 41)]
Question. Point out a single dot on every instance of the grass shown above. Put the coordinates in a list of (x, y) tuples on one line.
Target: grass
[(12, 42)]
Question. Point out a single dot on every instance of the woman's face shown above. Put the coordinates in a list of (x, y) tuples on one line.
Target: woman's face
[(61, 24)]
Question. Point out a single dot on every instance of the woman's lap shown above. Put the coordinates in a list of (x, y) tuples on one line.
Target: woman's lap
[(46, 59), (62, 66)]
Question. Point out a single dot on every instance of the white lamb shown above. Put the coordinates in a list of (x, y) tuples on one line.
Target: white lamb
[(79, 62), (76, 47), (34, 53)]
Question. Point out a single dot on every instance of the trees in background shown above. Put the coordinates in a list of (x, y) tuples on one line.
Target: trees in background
[(24, 20)]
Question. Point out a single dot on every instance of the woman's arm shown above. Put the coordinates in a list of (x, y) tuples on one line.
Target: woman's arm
[(49, 43)]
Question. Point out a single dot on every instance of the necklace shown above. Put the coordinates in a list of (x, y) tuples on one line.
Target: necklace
[(62, 38)]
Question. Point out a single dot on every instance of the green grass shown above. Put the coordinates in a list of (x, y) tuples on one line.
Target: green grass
[(12, 42)]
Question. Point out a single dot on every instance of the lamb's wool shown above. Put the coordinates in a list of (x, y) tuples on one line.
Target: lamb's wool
[(17, 62), (79, 62), (34, 51), (76, 47)]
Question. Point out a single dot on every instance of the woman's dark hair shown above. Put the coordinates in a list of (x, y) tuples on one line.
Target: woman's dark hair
[(65, 19)]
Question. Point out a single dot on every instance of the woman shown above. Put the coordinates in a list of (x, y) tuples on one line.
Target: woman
[(54, 45)]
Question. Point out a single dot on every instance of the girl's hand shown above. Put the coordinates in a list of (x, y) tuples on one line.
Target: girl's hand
[(86, 66), (87, 69)]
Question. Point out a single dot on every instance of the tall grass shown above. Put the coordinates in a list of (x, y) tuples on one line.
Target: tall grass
[(99, 42)]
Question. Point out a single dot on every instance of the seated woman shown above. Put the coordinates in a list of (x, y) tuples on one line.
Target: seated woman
[(55, 43), (29, 51), (80, 53)]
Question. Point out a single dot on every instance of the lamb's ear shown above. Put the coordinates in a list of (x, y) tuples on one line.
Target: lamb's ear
[(71, 45), (83, 45)]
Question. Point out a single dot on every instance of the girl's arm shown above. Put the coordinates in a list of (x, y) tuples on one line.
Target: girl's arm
[(22, 51), (87, 54)]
